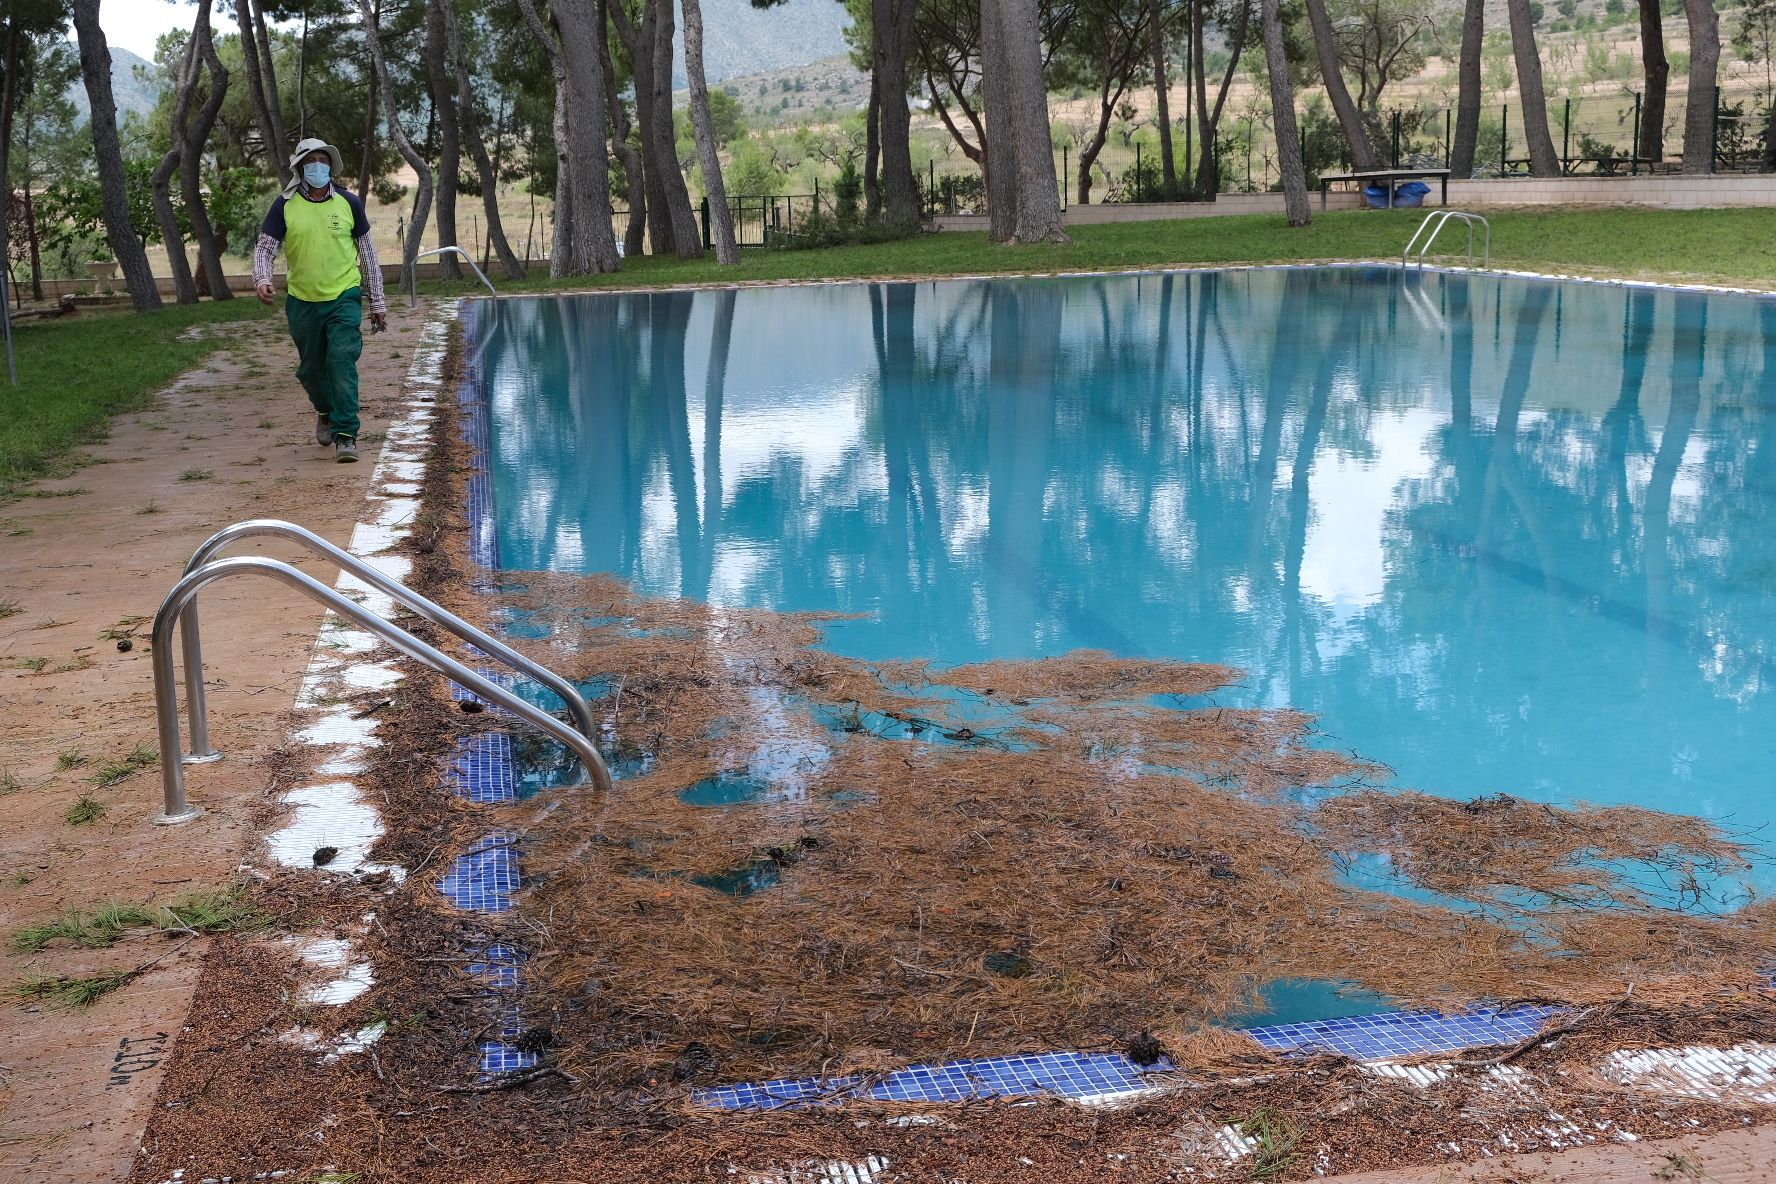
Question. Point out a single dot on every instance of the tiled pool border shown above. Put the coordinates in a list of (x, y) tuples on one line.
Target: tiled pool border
[(487, 774)]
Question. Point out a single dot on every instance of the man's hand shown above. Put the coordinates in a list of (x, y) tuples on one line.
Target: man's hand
[(378, 322), (265, 293)]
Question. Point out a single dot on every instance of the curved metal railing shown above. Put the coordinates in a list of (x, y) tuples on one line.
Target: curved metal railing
[(1442, 218), (176, 809), (413, 272), (190, 636)]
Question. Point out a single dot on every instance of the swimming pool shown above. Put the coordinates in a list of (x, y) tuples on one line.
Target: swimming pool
[(1501, 534)]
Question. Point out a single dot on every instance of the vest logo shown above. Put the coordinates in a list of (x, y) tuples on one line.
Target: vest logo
[(334, 224)]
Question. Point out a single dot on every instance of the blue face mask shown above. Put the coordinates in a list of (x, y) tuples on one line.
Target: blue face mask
[(316, 175)]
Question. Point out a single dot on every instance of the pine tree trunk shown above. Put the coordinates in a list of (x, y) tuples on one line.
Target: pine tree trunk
[(15, 39), (715, 190), (1349, 118), (243, 16), (893, 35), (559, 248), (367, 163), (95, 67), (184, 289), (687, 236), (274, 103), (1162, 110), (195, 136), (36, 251), (1467, 102), (872, 147), (443, 92), (422, 196), (471, 133), (1038, 197), (1282, 105), (592, 246), (1208, 173), (998, 143), (659, 226), (1699, 114), (634, 174), (1543, 162), (669, 209), (1658, 76)]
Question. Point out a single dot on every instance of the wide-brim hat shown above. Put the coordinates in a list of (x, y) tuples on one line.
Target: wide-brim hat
[(303, 149)]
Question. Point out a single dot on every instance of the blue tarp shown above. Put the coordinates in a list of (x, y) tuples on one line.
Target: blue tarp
[(1409, 196)]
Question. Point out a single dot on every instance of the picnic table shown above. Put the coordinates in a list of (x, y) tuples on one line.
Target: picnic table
[(1386, 177)]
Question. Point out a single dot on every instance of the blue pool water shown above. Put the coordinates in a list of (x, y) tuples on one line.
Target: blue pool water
[(1503, 535)]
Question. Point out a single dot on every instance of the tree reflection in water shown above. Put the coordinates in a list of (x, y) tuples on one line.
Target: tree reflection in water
[(1503, 535)]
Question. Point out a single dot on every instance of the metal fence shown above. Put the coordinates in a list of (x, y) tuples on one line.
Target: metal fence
[(1592, 134), (760, 220)]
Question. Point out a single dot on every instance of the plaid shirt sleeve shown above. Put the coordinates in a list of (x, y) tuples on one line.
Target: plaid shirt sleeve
[(264, 255), (371, 270)]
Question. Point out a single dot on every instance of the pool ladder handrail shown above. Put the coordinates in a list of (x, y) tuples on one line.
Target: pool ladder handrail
[(412, 270), (180, 609), (1442, 218)]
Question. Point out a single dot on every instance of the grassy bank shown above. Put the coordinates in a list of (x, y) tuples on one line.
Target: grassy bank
[(76, 372), (1735, 247)]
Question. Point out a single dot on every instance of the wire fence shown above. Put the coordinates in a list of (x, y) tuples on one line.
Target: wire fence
[(1600, 135)]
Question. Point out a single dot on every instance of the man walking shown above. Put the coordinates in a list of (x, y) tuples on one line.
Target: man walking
[(332, 264)]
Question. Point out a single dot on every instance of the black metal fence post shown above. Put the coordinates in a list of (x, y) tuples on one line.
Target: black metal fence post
[(1634, 150), (1566, 137), (1396, 139), (1064, 174), (1137, 172), (1448, 150), (1714, 132), (705, 213), (1504, 138)]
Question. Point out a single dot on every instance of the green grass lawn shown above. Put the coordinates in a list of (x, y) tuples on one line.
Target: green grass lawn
[(1736, 247), (76, 372)]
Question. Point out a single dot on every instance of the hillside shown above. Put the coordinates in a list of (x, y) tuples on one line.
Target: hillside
[(739, 39), (135, 93), (791, 95)]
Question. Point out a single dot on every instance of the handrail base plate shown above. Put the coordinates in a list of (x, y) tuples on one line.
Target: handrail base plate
[(200, 758), (164, 819)]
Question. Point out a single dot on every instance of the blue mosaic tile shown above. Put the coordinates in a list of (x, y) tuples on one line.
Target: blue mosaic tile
[(477, 428), (484, 877), (482, 770), (1092, 1075), (498, 967), (1405, 1033), (1062, 1074)]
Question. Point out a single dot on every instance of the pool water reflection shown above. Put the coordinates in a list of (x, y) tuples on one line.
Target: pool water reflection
[(1503, 535)]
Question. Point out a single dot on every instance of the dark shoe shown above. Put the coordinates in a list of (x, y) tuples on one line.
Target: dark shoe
[(345, 450), (323, 431)]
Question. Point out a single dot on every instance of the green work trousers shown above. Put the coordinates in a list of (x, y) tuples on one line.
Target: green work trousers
[(328, 342)]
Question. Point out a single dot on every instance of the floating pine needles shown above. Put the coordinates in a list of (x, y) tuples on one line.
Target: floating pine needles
[(817, 865)]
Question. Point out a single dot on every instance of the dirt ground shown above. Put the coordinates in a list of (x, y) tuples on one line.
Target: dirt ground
[(92, 555), (1737, 1157)]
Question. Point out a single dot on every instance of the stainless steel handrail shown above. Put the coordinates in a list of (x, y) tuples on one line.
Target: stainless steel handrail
[(413, 272), (1442, 218), (190, 636), (174, 807)]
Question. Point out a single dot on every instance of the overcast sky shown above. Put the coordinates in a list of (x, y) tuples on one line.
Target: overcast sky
[(136, 24)]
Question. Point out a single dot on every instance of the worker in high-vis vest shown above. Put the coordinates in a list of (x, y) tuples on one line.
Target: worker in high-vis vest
[(332, 268)]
